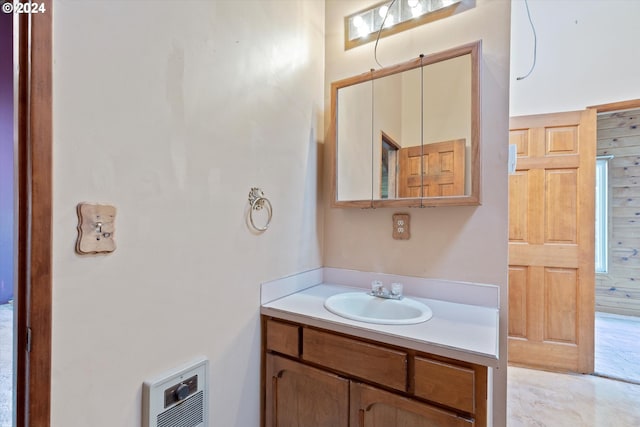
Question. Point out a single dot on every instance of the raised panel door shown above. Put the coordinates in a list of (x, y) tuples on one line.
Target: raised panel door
[(372, 407), (441, 172), (301, 396), (551, 241)]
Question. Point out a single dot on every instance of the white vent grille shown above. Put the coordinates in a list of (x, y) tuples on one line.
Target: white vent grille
[(178, 398), (189, 413)]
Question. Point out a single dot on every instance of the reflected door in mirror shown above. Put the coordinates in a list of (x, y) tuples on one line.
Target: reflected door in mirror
[(441, 172)]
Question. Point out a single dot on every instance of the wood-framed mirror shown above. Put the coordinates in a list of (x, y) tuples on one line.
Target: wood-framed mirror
[(409, 135)]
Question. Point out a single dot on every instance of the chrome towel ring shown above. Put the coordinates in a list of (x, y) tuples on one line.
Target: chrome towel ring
[(258, 201)]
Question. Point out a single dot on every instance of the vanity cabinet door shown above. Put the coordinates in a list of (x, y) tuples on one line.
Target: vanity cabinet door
[(372, 407), (301, 396)]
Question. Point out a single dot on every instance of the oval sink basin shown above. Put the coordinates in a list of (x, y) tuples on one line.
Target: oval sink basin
[(366, 308)]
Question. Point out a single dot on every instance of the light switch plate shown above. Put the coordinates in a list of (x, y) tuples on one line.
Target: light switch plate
[(401, 222), (96, 227)]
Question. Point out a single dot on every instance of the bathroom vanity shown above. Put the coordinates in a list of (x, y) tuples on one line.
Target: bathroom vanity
[(321, 369), (342, 380)]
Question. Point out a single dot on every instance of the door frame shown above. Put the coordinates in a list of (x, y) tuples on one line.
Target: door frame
[(617, 106), (385, 138), (33, 86), (631, 104)]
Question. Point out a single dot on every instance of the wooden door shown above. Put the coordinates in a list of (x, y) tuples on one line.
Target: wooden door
[(440, 174), (551, 241), (301, 396), (372, 407)]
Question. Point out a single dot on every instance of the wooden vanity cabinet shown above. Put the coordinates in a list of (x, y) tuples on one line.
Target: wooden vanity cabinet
[(317, 378)]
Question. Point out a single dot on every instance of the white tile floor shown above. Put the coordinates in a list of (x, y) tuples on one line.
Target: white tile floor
[(617, 346), (545, 399)]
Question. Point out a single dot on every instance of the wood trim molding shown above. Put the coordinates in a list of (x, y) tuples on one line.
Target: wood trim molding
[(22, 221), (617, 106), (34, 164)]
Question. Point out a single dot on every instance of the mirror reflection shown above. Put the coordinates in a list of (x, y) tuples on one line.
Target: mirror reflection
[(409, 132)]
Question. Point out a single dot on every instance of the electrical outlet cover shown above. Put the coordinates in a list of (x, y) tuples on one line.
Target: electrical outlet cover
[(96, 228), (401, 222)]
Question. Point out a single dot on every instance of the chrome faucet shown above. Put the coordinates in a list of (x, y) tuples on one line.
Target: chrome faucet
[(378, 290)]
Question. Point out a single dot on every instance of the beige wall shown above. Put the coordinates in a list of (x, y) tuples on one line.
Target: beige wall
[(447, 101), (458, 243), (172, 111)]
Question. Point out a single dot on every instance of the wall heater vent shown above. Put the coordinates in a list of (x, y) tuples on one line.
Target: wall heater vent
[(178, 398)]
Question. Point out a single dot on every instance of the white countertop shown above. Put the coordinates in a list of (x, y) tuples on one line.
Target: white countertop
[(461, 331)]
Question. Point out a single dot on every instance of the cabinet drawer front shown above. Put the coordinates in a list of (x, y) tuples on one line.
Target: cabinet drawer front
[(283, 338), (367, 361), (445, 383)]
